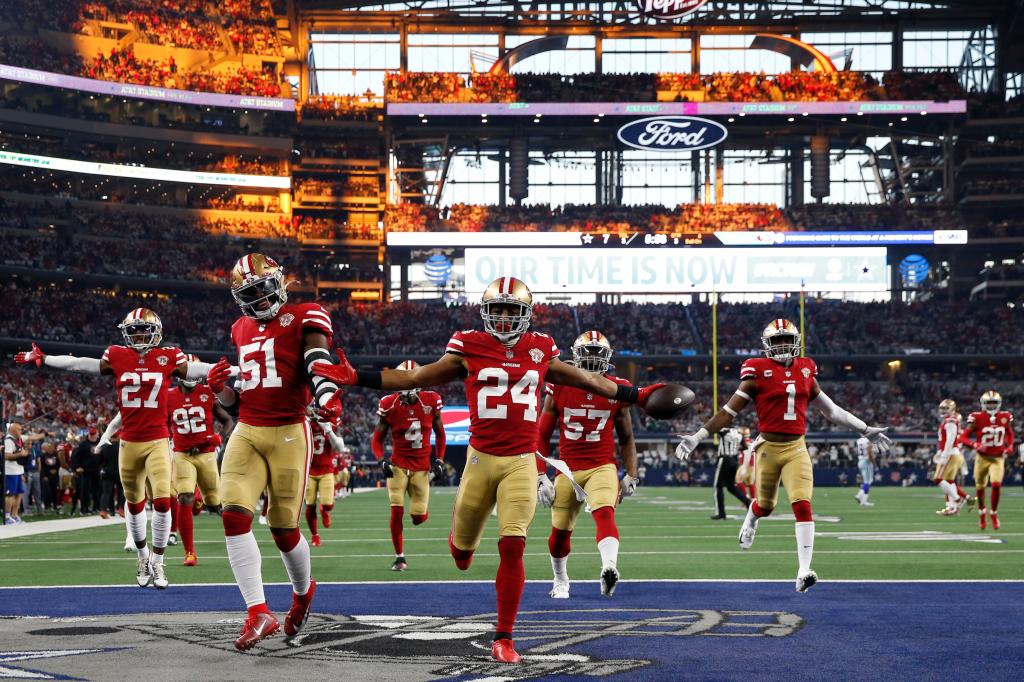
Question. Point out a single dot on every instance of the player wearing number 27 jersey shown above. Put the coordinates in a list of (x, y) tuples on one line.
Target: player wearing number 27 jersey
[(504, 367), (781, 385)]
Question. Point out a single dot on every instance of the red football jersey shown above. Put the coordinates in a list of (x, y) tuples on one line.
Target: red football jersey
[(586, 423), (942, 432), (191, 417), (142, 381), (782, 393), (273, 382), (411, 426), (503, 389), (323, 452), (993, 433)]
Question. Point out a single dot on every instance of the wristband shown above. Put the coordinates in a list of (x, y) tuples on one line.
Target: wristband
[(373, 379), (627, 394)]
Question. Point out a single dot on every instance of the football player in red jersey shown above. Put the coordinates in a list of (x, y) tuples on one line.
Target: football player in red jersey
[(992, 429), (781, 385), (410, 416), (949, 460), (278, 343), (586, 444), (504, 367), (327, 447), (192, 410), (142, 373)]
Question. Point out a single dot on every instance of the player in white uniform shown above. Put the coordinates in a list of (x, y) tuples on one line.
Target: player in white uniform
[(866, 465)]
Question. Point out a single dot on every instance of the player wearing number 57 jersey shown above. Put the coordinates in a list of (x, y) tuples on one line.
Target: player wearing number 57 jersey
[(990, 434), (142, 372), (277, 343), (504, 367), (781, 385), (410, 416)]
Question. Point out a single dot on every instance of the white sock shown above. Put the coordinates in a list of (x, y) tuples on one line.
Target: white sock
[(296, 562), (246, 562), (143, 552), (157, 558), (136, 526), (951, 495), (750, 519), (161, 528), (804, 544), (609, 549), (559, 568)]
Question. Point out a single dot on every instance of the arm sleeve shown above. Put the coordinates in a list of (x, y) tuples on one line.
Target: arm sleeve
[(838, 415), (73, 364), (323, 388), (337, 442), (949, 428), (199, 370), (377, 444), (547, 427), (113, 427)]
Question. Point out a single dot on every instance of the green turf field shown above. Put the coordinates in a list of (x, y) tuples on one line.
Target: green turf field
[(666, 533)]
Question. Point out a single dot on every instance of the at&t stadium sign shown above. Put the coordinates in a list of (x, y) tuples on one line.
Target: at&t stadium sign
[(672, 133), (667, 10)]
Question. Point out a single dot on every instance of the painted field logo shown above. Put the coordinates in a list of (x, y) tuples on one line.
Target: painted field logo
[(672, 133), (668, 9)]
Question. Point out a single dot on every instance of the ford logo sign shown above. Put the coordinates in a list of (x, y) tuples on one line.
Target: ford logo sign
[(668, 9), (672, 133)]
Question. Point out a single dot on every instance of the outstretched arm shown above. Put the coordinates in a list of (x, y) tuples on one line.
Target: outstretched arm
[(722, 419), (65, 362), (445, 369), (568, 375)]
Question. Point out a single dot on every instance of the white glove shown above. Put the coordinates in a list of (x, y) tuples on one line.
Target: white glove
[(940, 459), (627, 486), (689, 443), (963, 468), (545, 490), (876, 434)]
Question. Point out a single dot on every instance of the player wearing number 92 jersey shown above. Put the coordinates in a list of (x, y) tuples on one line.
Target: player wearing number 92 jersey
[(504, 367)]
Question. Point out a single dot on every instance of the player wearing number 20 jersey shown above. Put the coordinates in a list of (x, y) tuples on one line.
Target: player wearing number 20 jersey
[(504, 367), (990, 433)]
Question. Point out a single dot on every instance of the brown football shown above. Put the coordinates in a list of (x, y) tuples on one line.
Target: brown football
[(669, 401)]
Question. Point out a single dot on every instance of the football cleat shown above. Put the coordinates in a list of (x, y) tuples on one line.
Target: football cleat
[(159, 577), (143, 573), (190, 559), (806, 581), (948, 511), (504, 651), (104, 514), (257, 627), (172, 539), (981, 519), (719, 517), (325, 518), (316, 540), (609, 579), (400, 564), (560, 590), (747, 532), (129, 544), (299, 611), (263, 520), (995, 520)]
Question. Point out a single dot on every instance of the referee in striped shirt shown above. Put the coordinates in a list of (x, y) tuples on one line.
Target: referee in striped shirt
[(729, 442)]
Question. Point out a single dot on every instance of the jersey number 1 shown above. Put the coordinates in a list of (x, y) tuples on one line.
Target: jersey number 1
[(790, 414)]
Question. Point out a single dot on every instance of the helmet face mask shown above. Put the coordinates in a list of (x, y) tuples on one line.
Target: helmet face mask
[(781, 340), (258, 286), (506, 308), (592, 352), (142, 329), (991, 401)]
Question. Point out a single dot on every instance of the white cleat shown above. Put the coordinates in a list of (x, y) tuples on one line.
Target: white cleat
[(609, 579), (865, 503), (747, 532), (159, 577), (263, 520), (559, 590), (129, 544), (806, 581), (143, 574)]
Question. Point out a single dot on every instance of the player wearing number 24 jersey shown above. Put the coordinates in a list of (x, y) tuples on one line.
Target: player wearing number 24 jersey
[(142, 372), (781, 385), (504, 367)]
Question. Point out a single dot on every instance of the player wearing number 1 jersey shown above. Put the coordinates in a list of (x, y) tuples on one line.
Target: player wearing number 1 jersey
[(142, 372), (504, 367), (277, 343), (410, 416), (781, 385), (990, 434)]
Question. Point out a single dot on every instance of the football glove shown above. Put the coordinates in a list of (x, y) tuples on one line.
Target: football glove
[(687, 445), (876, 434), (342, 373), (645, 392), (545, 490), (386, 468), (26, 357), (218, 375), (330, 411), (627, 486), (437, 466)]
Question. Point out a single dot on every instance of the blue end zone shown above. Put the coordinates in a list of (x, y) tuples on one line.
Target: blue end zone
[(669, 630)]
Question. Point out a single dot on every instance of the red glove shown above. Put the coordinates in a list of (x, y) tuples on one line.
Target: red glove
[(35, 355), (331, 410), (645, 393), (342, 373), (216, 440), (218, 375)]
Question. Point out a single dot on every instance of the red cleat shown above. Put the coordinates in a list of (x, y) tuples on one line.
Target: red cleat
[(981, 519), (316, 540), (257, 627), (325, 518), (995, 520), (299, 611), (504, 651), (190, 559)]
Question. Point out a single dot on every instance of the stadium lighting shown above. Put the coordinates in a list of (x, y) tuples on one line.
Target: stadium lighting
[(805, 114), (843, 119), (903, 118), (731, 119), (860, 113), (790, 119)]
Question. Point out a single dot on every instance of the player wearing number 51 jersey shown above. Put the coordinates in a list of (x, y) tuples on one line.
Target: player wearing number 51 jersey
[(142, 372), (277, 343), (410, 416), (990, 434), (504, 367), (781, 385)]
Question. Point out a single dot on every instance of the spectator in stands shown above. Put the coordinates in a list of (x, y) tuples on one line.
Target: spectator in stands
[(86, 463), (112, 500)]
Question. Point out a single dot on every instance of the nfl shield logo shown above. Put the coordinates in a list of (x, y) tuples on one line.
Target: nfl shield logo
[(508, 354), (767, 373)]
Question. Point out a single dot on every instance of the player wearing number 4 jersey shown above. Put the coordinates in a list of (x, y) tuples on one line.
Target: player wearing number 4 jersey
[(410, 416), (278, 343), (990, 434), (781, 386), (142, 372), (504, 368)]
